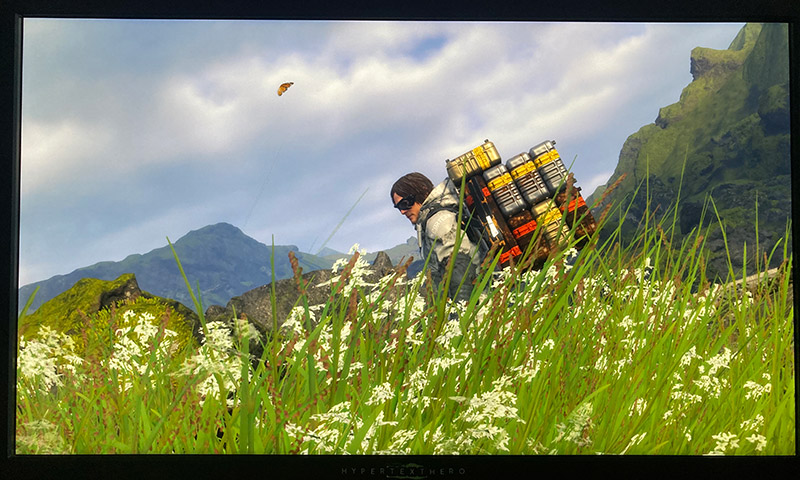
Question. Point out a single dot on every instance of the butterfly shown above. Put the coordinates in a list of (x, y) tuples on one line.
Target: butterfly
[(284, 87)]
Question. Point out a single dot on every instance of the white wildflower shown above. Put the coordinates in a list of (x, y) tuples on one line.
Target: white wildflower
[(361, 268), (443, 363), (218, 337), (720, 361), (417, 381), (527, 372), (339, 413), (724, 442), (635, 440), (390, 347), (413, 336), (601, 364), (621, 363), (380, 394), (687, 357), (215, 356), (451, 330), (753, 424), (688, 398), (401, 440), (39, 360), (712, 385), (144, 329), (756, 390), (759, 440), (355, 367), (495, 404), (577, 426), (638, 406), (626, 322), (125, 350), (293, 430), (294, 323)]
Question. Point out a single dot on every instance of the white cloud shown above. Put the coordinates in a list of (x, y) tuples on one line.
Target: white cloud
[(588, 187), (61, 153), (371, 102)]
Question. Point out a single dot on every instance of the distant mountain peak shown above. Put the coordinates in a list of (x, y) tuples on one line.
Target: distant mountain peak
[(221, 259), (218, 228)]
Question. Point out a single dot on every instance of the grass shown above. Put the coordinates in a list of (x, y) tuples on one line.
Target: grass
[(618, 349)]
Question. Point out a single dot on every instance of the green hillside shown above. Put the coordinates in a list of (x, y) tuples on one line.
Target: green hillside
[(220, 258), (731, 128), (82, 309)]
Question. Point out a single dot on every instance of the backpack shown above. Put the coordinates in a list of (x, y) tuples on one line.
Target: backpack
[(469, 225)]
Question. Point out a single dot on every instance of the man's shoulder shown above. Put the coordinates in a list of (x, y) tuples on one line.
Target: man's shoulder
[(440, 222)]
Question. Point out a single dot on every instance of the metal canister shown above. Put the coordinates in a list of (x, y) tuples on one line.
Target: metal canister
[(522, 226), (523, 229), (529, 182), (576, 211), (549, 165), (473, 162), (555, 231), (504, 191), (543, 207), (554, 174), (542, 148)]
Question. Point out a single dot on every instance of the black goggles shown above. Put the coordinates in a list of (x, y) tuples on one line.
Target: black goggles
[(405, 203)]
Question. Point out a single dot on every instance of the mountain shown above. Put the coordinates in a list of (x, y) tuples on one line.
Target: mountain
[(396, 253), (220, 258), (731, 127)]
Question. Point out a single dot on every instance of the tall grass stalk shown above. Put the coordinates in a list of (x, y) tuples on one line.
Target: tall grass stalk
[(618, 349)]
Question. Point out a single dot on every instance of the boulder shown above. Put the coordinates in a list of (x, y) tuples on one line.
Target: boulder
[(68, 312), (256, 305)]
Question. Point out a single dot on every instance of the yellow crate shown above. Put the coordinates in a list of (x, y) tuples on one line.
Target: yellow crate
[(523, 169), (552, 215), (475, 161), (500, 181), (546, 158)]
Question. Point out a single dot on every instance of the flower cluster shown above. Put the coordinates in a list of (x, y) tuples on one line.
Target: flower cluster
[(577, 427), (138, 349), (215, 359), (44, 360), (756, 390), (379, 371)]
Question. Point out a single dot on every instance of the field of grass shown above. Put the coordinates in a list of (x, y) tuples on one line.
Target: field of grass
[(611, 350)]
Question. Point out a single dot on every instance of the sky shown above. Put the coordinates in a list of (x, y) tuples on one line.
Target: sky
[(135, 131)]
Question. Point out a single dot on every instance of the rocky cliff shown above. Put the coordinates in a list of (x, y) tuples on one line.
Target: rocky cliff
[(730, 129)]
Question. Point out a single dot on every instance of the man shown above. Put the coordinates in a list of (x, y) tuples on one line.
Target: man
[(434, 212)]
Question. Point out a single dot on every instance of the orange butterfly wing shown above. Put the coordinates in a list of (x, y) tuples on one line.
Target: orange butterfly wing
[(284, 87)]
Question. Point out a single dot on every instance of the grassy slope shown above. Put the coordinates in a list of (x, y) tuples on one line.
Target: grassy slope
[(730, 127)]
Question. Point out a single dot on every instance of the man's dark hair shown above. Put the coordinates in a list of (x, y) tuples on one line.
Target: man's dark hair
[(415, 184)]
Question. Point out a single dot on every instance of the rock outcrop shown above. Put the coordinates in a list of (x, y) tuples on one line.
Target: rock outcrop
[(256, 305), (69, 311)]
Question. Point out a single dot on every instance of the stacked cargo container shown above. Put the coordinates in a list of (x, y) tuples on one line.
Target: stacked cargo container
[(527, 194)]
